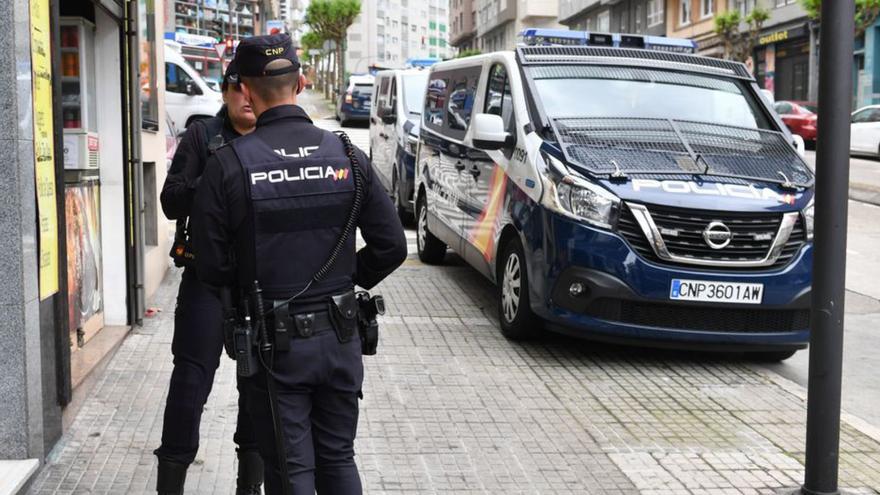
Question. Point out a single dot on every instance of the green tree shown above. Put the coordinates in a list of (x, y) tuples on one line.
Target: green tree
[(313, 41), (330, 19), (866, 12), (739, 44)]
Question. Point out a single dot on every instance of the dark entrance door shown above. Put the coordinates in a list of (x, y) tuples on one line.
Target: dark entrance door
[(792, 70)]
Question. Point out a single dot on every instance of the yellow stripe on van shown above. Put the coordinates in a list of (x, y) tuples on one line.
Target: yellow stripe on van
[(483, 234)]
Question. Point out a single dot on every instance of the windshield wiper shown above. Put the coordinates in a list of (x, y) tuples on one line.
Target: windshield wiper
[(696, 157)]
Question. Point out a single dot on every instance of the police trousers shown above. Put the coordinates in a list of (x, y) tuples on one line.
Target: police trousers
[(318, 383), (197, 346)]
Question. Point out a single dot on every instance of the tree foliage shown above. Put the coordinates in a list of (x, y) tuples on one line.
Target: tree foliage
[(330, 19), (866, 12), (468, 53), (738, 43), (311, 41)]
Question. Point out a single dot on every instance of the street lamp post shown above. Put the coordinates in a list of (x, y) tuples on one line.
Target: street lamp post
[(829, 252)]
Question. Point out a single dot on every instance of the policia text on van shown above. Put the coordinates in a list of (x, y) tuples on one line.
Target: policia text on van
[(622, 188)]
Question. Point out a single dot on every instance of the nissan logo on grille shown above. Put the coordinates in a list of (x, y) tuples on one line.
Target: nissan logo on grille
[(717, 235)]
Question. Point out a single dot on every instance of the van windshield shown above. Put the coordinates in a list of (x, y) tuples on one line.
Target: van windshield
[(414, 92), (583, 92), (613, 120)]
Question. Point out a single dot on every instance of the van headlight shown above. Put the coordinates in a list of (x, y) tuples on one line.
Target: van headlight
[(412, 144), (575, 197), (809, 213)]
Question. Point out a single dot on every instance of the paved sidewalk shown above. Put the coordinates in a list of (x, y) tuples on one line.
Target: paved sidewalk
[(450, 406)]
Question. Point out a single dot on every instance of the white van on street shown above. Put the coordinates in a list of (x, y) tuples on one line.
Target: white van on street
[(395, 117), (187, 96)]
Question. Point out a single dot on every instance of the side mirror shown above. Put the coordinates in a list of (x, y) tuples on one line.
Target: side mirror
[(386, 113), (192, 89), (489, 133), (799, 145)]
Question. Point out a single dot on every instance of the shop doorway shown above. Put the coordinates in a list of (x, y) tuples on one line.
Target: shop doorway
[(792, 70)]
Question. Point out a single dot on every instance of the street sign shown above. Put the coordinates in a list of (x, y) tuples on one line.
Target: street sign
[(221, 49)]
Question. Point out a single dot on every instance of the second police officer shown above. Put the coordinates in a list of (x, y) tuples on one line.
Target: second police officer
[(198, 337), (269, 213)]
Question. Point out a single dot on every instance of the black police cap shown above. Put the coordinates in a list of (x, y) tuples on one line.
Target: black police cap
[(231, 76), (255, 53)]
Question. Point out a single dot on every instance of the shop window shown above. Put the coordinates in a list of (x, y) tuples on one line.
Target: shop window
[(151, 210), (147, 60)]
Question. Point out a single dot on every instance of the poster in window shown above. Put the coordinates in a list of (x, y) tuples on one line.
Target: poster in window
[(147, 69), (84, 260)]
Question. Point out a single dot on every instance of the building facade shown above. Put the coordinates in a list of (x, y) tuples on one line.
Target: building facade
[(624, 16), (785, 60), (83, 235), (866, 67), (217, 19), (463, 24), (389, 32), (695, 19), (500, 21)]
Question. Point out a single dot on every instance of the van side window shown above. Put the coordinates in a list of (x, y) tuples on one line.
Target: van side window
[(176, 78), (392, 95), (435, 101), (383, 92), (460, 103), (498, 99)]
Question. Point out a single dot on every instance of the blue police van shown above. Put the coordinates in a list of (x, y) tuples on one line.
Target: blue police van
[(622, 188)]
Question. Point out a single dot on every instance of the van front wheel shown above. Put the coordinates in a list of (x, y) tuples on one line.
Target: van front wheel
[(518, 322), (431, 249)]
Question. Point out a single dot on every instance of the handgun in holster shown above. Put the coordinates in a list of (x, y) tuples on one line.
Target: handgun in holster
[(369, 307)]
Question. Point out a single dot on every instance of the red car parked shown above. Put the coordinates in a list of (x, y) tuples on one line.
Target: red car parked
[(799, 116)]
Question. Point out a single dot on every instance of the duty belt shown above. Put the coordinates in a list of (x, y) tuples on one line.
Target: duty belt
[(306, 325)]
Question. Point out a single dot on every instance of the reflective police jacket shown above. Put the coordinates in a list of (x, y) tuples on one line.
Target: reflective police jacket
[(271, 205)]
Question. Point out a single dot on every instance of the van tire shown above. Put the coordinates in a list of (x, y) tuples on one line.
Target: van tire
[(515, 315), (405, 216), (431, 249)]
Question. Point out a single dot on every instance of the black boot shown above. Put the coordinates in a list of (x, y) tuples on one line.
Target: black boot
[(171, 478), (250, 473)]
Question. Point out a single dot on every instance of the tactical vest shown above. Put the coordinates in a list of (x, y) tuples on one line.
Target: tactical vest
[(299, 206)]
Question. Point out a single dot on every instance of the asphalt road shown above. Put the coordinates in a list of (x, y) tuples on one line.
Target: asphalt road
[(864, 177), (861, 379)]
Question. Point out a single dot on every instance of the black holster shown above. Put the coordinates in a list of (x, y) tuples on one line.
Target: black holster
[(369, 307)]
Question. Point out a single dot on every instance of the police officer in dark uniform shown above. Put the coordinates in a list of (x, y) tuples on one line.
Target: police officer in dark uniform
[(198, 320), (271, 208)]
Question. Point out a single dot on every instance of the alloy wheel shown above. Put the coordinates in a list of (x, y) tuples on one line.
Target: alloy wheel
[(510, 287)]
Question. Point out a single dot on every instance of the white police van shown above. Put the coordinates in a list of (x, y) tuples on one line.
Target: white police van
[(398, 98), (622, 188)]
